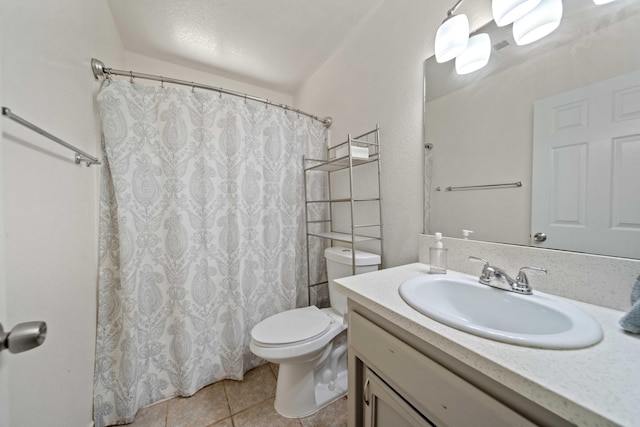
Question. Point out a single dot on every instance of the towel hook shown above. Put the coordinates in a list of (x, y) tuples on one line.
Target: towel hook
[(162, 82), (131, 75), (193, 90)]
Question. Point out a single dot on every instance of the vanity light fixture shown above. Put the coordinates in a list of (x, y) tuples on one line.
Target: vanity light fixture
[(507, 11), (599, 2), (475, 56), (452, 35), (538, 23)]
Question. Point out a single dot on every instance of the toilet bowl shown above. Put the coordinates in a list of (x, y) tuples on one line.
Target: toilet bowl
[(310, 344)]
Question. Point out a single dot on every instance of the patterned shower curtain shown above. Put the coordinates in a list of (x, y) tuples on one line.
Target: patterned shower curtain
[(202, 235)]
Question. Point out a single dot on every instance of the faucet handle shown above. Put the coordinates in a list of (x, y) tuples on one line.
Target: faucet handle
[(522, 281), (522, 277), (487, 271), (476, 259)]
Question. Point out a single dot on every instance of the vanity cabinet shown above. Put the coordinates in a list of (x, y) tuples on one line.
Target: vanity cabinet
[(393, 384)]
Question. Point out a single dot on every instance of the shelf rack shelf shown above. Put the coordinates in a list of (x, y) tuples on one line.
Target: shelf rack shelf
[(354, 152)]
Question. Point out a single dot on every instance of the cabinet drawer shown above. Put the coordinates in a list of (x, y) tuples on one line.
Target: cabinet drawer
[(442, 396)]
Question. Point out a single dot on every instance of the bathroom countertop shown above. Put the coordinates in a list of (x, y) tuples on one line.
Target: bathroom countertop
[(594, 386)]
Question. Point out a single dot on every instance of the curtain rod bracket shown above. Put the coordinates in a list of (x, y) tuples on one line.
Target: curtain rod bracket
[(97, 67)]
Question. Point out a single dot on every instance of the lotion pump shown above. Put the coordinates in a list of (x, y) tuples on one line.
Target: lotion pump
[(438, 257)]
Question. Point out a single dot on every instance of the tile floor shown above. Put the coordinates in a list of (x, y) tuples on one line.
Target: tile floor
[(228, 403)]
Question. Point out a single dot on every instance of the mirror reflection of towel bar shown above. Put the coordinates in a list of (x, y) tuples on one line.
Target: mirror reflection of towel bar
[(479, 187)]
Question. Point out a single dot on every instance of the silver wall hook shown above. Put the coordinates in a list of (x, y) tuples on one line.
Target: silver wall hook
[(162, 82), (131, 75)]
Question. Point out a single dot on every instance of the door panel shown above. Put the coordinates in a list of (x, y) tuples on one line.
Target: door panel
[(586, 157)]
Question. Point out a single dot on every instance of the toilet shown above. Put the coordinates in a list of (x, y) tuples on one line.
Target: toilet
[(310, 344)]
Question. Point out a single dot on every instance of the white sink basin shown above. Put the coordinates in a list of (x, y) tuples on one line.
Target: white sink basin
[(538, 320)]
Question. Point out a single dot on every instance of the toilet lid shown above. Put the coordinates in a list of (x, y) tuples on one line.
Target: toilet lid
[(292, 326)]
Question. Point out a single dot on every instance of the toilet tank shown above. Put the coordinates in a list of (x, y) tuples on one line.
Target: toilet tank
[(339, 264)]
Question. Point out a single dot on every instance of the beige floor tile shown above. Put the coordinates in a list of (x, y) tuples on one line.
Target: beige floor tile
[(258, 384), (253, 399), (332, 415), (224, 423), (263, 415), (204, 408), (151, 416)]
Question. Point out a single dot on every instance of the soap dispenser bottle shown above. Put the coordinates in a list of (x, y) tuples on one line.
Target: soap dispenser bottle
[(438, 257)]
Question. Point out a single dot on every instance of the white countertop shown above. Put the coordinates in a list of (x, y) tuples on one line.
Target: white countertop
[(595, 386)]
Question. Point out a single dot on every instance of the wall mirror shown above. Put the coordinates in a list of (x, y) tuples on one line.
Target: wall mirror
[(561, 116)]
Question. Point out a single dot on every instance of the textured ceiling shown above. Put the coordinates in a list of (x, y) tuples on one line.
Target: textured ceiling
[(276, 44)]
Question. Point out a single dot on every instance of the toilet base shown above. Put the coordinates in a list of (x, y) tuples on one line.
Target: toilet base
[(297, 396), (324, 396)]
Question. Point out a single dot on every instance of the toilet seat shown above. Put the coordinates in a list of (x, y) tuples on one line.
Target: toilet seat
[(292, 327)]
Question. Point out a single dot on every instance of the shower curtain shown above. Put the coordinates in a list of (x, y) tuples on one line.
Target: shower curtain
[(202, 235)]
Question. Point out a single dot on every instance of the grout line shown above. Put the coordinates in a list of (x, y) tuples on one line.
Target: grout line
[(166, 413), (219, 421), (226, 395)]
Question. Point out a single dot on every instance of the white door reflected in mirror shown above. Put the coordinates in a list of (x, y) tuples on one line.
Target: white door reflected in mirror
[(586, 151)]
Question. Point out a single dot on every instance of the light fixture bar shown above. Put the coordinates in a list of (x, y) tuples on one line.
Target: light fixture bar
[(454, 8)]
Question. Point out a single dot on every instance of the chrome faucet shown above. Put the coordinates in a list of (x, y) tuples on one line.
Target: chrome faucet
[(498, 278)]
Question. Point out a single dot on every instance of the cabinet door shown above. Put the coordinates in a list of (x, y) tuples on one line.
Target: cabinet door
[(384, 407)]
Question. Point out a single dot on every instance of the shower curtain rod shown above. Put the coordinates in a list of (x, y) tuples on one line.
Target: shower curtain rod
[(99, 70)]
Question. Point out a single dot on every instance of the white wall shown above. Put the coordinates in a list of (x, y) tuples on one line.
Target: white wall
[(376, 77), (4, 367), (49, 203)]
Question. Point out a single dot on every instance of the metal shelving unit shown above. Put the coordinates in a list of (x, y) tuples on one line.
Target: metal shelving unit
[(354, 152)]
